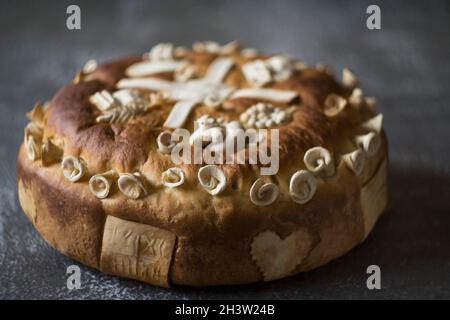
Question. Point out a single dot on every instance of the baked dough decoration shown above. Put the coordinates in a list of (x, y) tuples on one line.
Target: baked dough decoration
[(257, 73), (208, 129), (374, 198), (265, 115), (103, 100), (374, 124), (137, 251), (164, 142), (356, 98), (173, 177), (319, 161), (208, 90), (32, 139), (131, 185), (349, 79), (122, 120), (369, 142), (249, 53), (212, 179), (179, 114), (33, 150), (161, 51), (125, 105), (146, 68), (73, 168), (217, 134), (355, 160), (89, 67), (36, 115), (334, 104), (263, 193), (273, 95), (302, 186), (371, 102), (185, 71), (276, 257), (50, 153), (100, 184), (261, 72), (216, 48)]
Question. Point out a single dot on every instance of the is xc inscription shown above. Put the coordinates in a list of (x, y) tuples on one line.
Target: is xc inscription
[(137, 251)]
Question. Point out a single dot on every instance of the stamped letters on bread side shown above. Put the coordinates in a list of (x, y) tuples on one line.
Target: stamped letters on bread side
[(374, 198), (137, 251)]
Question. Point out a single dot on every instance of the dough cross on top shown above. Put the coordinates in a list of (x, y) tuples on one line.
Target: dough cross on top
[(209, 90)]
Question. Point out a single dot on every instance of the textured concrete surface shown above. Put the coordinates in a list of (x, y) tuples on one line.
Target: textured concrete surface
[(405, 65)]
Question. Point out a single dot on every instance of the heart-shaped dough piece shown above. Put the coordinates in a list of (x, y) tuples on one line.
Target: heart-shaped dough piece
[(276, 257)]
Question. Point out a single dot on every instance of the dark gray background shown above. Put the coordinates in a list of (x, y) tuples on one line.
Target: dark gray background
[(405, 65)]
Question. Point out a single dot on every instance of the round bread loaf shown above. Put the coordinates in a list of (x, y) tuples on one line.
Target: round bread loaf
[(98, 176)]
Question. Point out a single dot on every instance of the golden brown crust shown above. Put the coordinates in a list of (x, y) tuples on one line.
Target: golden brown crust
[(71, 117), (214, 234), (74, 225), (65, 214)]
